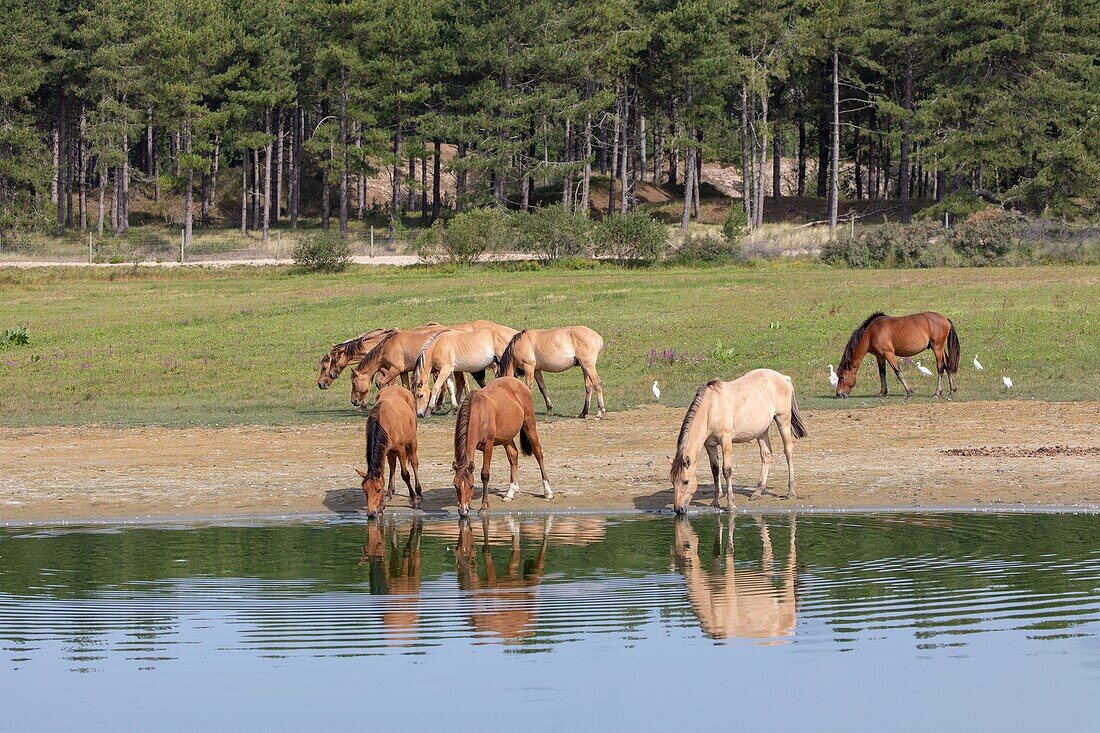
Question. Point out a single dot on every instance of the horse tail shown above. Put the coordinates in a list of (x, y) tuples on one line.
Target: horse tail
[(953, 349), (525, 444), (798, 425), (506, 367)]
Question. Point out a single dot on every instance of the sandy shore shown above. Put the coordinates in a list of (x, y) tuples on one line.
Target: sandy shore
[(917, 455)]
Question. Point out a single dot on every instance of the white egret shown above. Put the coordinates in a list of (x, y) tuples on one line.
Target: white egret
[(1007, 381), (923, 370), (833, 378), (978, 364), (656, 391)]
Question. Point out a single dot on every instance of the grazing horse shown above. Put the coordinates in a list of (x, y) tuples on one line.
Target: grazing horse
[(392, 357), (487, 418), (345, 352), (724, 413), (391, 436), (537, 350), (735, 601), (888, 337), (448, 352)]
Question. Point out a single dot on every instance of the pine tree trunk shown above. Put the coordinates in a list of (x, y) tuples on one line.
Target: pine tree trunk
[(437, 167), (410, 201), (60, 162), (689, 175), (777, 164), (256, 190), (614, 153), (586, 179), (326, 193), (149, 153), (244, 190), (642, 165), (834, 182), (56, 170), (762, 161), (213, 192), (906, 130), (343, 152), (624, 174), (460, 179), (658, 154), (189, 192), (801, 157), (423, 186), (856, 160), (280, 160), (102, 198), (124, 199), (296, 165), (567, 183), (395, 189), (267, 176), (83, 199), (747, 186)]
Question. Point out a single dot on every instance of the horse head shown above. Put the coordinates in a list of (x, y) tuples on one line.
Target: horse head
[(375, 492), (464, 486), (684, 482)]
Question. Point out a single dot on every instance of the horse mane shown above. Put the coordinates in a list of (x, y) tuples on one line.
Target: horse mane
[(507, 356), (354, 343), (685, 427), (377, 350), (418, 369), (377, 440), (462, 430), (857, 335)]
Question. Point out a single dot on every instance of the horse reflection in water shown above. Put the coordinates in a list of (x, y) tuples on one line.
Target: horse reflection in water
[(395, 571), (504, 604), (738, 602)]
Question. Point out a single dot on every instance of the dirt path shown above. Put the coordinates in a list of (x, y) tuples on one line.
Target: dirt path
[(947, 454)]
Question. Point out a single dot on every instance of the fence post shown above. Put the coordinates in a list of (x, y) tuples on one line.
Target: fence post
[(89, 248), (278, 245), (372, 241), (946, 222), (182, 237)]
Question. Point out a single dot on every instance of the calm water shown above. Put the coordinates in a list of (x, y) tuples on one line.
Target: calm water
[(905, 621)]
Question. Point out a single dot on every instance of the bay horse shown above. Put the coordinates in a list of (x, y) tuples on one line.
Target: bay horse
[(536, 350), (345, 352), (724, 413), (449, 352), (391, 437), (393, 356), (888, 337), (487, 418)]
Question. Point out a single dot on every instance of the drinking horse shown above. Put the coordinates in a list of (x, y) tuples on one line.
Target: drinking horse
[(888, 337), (487, 418), (724, 413), (391, 437)]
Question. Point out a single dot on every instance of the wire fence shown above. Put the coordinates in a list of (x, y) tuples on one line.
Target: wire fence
[(147, 243)]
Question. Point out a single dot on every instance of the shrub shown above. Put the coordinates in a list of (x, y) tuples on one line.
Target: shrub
[(14, 337), (466, 238), (886, 245), (553, 232), (985, 237), (707, 248), (735, 225), (632, 237), (322, 252)]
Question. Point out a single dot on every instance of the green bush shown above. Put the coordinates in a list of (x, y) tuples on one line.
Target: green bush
[(322, 252), (707, 248), (553, 232), (890, 245), (632, 237), (466, 238), (986, 237), (735, 225)]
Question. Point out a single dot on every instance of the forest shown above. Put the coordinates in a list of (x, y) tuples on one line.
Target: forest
[(260, 113)]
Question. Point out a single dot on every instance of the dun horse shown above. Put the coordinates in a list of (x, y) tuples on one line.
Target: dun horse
[(724, 413), (449, 352), (487, 418), (888, 337), (392, 357), (391, 436), (345, 352), (536, 350)]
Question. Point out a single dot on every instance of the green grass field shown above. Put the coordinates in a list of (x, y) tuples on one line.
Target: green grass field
[(143, 346)]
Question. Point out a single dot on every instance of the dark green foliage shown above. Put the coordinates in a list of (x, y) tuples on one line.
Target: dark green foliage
[(707, 248), (735, 225), (888, 245), (554, 232), (986, 237), (14, 337), (466, 238), (322, 252), (632, 237)]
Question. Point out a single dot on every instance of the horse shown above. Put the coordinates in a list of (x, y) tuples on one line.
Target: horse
[(724, 413), (345, 352), (391, 436), (536, 350), (888, 337), (487, 418), (393, 356), (448, 352), (735, 601)]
